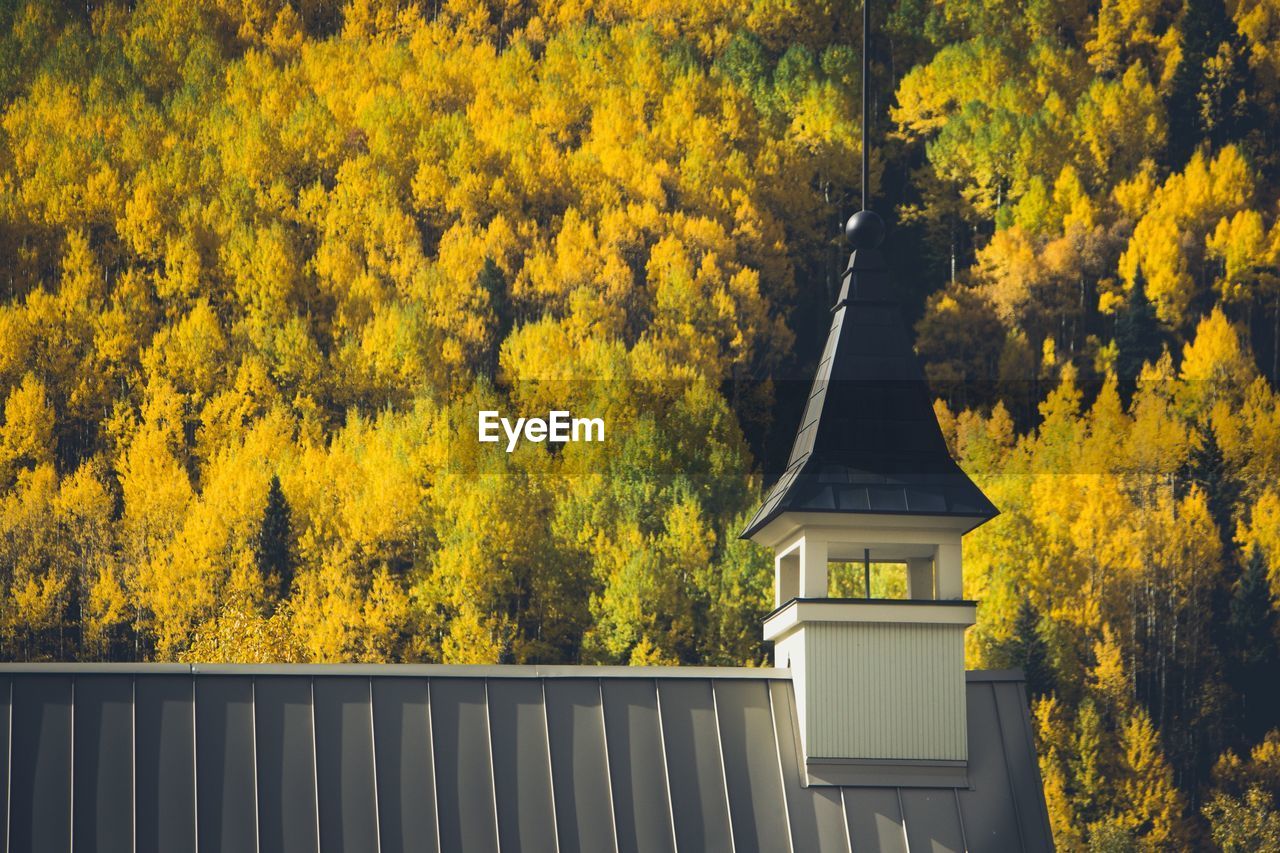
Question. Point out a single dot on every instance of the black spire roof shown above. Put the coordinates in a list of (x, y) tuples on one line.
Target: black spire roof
[(869, 441)]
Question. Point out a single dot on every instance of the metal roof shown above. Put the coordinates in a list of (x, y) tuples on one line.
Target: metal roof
[(390, 759), (869, 441)]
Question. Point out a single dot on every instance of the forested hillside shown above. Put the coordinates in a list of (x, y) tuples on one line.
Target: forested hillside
[(262, 262)]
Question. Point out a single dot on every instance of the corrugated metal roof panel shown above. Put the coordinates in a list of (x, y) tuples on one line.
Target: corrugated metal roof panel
[(165, 761), (464, 774), (987, 810), (6, 766), (522, 766), (931, 818), (300, 759), (875, 819), (40, 772), (287, 818), (696, 770), (580, 766), (638, 766), (815, 815), (102, 777), (347, 785), (750, 765), (406, 765), (226, 779), (1014, 725)]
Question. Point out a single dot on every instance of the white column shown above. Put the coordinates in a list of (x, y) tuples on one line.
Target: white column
[(949, 579), (813, 567), (920, 578), (786, 576)]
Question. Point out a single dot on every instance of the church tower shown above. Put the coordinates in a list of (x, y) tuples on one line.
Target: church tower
[(879, 682)]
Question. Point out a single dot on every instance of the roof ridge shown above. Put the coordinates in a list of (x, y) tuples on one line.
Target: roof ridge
[(408, 670)]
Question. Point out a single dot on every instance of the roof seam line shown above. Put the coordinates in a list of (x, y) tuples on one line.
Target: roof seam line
[(373, 757), (493, 771), (253, 724), (608, 770), (724, 771), (435, 776), (782, 776), (1008, 771), (666, 769), (551, 773), (71, 775)]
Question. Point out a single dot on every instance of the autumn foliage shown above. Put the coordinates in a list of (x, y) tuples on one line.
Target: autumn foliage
[(261, 263)]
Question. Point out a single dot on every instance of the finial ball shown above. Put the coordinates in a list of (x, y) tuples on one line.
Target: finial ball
[(865, 230)]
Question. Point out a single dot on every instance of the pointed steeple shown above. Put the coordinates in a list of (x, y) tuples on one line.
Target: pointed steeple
[(870, 479), (869, 441)]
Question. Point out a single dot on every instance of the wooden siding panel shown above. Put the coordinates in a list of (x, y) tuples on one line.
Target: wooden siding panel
[(885, 690)]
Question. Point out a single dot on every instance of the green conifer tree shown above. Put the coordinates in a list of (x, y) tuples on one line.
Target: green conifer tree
[(1206, 101), (1138, 335), (492, 282), (1254, 653), (1028, 651), (1208, 469), (273, 553)]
